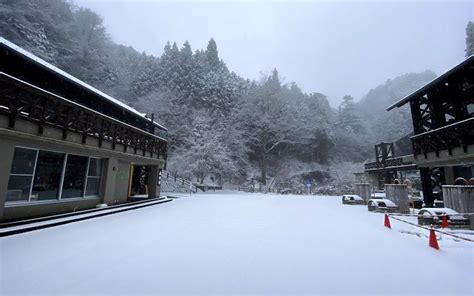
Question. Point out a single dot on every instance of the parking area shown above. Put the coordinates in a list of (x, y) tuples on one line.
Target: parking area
[(235, 243)]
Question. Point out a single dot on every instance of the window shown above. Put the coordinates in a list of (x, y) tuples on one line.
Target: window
[(49, 167), (74, 176), (38, 175), (93, 176), (21, 174), (470, 109)]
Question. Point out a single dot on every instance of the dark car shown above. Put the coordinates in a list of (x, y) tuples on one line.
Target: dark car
[(433, 216)]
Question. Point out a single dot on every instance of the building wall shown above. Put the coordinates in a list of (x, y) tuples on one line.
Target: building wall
[(6, 157), (458, 157), (47, 208), (114, 178)]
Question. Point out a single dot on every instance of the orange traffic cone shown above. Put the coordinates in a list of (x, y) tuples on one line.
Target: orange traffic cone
[(386, 222), (444, 221), (433, 240)]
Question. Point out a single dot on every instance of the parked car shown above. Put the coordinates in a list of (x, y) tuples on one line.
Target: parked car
[(352, 199), (428, 216), (382, 205), (286, 191)]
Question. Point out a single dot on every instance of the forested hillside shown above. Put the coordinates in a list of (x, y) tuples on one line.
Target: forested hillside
[(388, 126), (222, 127)]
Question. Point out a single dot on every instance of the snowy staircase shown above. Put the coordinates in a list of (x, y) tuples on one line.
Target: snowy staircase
[(172, 183)]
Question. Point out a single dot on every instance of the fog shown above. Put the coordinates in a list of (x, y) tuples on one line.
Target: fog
[(335, 48)]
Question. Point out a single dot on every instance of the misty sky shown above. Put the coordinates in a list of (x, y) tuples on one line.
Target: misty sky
[(335, 48)]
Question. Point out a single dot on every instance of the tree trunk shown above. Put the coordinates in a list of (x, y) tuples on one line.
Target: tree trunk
[(264, 169), (263, 161)]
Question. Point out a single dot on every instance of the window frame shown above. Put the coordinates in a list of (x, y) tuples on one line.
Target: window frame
[(85, 178), (32, 175), (58, 195), (61, 183), (94, 177)]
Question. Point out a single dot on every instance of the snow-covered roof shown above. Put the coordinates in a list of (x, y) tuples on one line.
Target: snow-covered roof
[(73, 79), (356, 197), (439, 211), (438, 79), (387, 202)]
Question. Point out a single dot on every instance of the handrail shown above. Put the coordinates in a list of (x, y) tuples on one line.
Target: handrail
[(168, 175)]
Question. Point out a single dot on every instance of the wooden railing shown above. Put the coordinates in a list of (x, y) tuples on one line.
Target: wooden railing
[(21, 100), (389, 164), (373, 166), (459, 134)]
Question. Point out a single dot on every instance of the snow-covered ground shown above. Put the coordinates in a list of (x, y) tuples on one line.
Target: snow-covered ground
[(236, 244)]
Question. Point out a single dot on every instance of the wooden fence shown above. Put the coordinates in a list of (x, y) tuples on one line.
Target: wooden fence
[(398, 193), (362, 190)]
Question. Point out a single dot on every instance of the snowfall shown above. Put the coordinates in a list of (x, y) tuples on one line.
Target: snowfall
[(237, 243)]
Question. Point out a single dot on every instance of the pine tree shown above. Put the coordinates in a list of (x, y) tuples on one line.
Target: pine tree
[(348, 118), (212, 56), (469, 39), (265, 112)]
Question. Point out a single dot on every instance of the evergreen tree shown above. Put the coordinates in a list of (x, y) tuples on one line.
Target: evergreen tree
[(469, 39), (219, 124), (212, 56), (348, 118)]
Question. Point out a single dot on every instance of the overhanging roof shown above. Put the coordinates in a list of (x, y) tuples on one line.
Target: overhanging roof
[(75, 80), (422, 90)]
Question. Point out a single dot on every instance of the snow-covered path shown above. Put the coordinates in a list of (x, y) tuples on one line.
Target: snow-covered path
[(235, 244)]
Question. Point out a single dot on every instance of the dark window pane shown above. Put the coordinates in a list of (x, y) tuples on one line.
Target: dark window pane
[(94, 167), (23, 161), (470, 109), (47, 175), (92, 186), (19, 188), (75, 176)]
